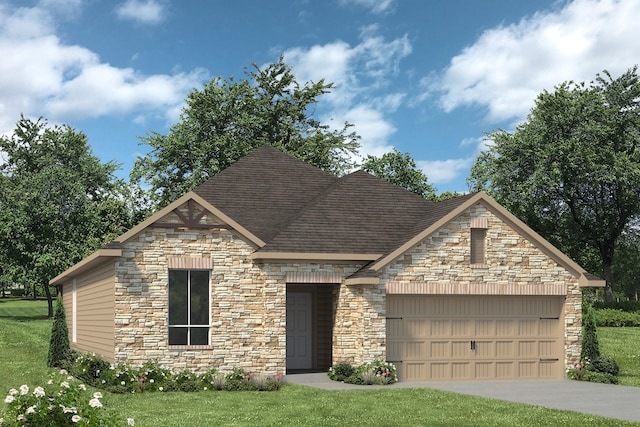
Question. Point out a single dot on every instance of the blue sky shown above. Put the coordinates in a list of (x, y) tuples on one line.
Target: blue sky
[(426, 77)]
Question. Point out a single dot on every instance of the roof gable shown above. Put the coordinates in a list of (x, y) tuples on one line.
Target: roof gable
[(455, 207)]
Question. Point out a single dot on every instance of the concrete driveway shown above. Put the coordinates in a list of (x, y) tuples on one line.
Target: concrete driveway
[(611, 401)]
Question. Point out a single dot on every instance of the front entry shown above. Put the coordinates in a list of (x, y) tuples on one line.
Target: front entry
[(299, 330)]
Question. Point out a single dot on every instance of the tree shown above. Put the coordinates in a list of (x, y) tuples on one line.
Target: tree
[(58, 203), (626, 264), (59, 347), (590, 346), (572, 170), (227, 119), (400, 169)]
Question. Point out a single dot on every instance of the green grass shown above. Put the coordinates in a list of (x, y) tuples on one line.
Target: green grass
[(24, 338), (623, 345)]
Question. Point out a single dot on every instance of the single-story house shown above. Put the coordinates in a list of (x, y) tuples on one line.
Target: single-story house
[(275, 265)]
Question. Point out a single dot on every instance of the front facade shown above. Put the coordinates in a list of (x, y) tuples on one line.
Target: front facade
[(451, 290)]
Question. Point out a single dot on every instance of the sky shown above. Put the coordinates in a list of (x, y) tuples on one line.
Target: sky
[(427, 77)]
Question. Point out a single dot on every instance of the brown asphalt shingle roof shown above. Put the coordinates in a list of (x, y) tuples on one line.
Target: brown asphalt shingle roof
[(295, 207)]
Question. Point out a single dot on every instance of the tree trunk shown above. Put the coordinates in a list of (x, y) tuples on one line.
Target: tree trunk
[(608, 287), (47, 291)]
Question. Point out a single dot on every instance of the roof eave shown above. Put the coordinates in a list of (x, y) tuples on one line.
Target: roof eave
[(313, 256), (95, 258)]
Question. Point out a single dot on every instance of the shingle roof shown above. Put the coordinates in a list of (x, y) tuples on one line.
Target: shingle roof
[(295, 207), (265, 190)]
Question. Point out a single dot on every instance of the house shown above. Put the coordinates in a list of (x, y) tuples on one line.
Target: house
[(275, 265)]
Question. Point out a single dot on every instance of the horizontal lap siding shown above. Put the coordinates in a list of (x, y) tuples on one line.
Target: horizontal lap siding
[(95, 311)]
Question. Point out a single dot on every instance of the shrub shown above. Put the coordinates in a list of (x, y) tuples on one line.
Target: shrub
[(616, 318), (375, 372), (238, 380), (590, 346), (90, 368), (341, 371), (59, 348), (63, 401), (605, 365), (599, 377), (577, 370), (627, 306)]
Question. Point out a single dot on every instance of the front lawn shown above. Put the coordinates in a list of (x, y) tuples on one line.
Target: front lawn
[(623, 345), (24, 336)]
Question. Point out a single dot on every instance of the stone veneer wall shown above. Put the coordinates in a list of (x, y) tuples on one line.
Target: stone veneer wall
[(360, 326), (444, 257), (248, 303)]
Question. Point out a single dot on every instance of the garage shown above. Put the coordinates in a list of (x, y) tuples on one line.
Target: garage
[(442, 337)]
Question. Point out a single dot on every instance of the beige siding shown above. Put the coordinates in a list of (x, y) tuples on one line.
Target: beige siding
[(94, 311)]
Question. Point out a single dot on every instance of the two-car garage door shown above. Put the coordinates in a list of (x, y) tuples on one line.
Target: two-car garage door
[(433, 337)]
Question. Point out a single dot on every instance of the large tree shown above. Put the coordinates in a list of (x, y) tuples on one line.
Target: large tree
[(572, 169), (400, 169), (227, 119), (58, 203)]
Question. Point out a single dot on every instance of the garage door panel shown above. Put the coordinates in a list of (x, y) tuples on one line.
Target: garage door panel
[(505, 370), (439, 350), (440, 370), (461, 371), (527, 369), (485, 349), (440, 328), (485, 328), (505, 349), (485, 370), (475, 337)]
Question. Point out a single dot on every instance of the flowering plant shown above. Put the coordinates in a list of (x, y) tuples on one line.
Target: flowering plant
[(577, 369), (62, 401)]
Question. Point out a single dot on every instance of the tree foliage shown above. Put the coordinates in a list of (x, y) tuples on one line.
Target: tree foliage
[(400, 169), (227, 119), (626, 264), (58, 203), (572, 170)]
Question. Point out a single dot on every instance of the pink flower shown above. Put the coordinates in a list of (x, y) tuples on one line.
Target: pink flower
[(24, 389), (97, 395), (130, 422), (9, 399), (75, 418), (95, 403), (38, 392)]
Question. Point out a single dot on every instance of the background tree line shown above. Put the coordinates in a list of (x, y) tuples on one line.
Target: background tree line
[(571, 171)]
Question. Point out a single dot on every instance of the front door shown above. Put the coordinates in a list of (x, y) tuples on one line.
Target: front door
[(299, 330)]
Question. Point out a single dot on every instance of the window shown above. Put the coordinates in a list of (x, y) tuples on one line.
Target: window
[(189, 307), (478, 237)]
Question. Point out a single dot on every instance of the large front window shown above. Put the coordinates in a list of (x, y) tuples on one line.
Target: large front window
[(189, 307)]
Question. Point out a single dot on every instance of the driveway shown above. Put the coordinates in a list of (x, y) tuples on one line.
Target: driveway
[(611, 401)]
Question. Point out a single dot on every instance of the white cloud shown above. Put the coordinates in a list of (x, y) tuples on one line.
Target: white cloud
[(444, 171), (362, 75), (142, 11), (508, 66), (374, 6), (43, 76)]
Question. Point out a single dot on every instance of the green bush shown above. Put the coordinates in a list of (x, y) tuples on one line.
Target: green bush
[(616, 318), (375, 372), (341, 371), (604, 365), (628, 306), (590, 346), (599, 377), (59, 348)]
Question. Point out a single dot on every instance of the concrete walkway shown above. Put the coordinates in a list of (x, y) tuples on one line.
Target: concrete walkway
[(611, 401)]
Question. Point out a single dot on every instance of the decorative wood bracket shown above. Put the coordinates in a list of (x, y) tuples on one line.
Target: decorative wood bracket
[(191, 219)]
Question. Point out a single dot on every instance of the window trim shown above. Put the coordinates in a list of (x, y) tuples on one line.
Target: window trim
[(478, 242), (189, 346)]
